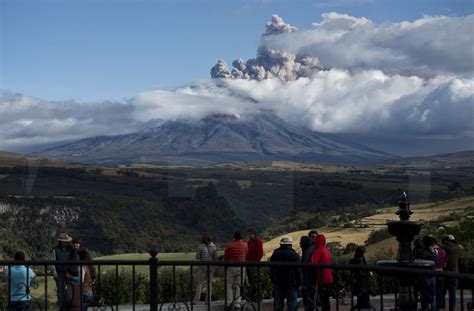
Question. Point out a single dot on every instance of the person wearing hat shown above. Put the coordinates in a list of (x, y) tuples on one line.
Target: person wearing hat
[(453, 252), (61, 252), (285, 280)]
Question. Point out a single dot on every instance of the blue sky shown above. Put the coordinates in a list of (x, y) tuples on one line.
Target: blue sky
[(98, 50)]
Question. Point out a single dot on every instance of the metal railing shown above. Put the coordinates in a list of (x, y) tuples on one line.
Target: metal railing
[(170, 285)]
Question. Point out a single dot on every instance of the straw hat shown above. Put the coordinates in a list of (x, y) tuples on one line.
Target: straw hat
[(287, 240), (64, 237)]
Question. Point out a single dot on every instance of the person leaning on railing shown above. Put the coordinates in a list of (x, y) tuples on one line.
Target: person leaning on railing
[(19, 278), (206, 251)]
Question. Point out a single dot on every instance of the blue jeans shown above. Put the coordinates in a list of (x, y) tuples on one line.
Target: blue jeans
[(86, 300), (440, 300), (20, 305), (428, 293), (451, 286), (281, 293)]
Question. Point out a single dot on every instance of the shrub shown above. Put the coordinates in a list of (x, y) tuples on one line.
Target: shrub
[(377, 236), (117, 289)]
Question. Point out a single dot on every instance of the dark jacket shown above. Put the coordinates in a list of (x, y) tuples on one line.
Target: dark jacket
[(308, 274), (59, 253), (361, 277), (425, 254), (308, 253), (453, 252), (285, 277)]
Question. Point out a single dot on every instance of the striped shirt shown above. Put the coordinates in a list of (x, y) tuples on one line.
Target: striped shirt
[(206, 252)]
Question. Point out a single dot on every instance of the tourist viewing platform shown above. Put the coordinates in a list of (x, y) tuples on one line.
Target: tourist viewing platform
[(245, 155), (169, 285)]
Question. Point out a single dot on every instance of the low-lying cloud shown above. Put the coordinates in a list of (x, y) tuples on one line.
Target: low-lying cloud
[(345, 75)]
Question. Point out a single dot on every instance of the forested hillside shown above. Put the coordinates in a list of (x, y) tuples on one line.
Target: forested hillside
[(131, 209)]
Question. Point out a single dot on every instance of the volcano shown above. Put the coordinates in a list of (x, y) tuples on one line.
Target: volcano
[(214, 139)]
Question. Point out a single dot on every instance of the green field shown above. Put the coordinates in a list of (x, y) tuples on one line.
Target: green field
[(145, 256)]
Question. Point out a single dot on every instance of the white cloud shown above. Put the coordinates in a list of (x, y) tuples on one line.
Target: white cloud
[(429, 45), (410, 79), (341, 101)]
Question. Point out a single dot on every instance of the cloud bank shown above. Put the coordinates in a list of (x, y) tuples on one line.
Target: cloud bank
[(344, 75), (426, 47)]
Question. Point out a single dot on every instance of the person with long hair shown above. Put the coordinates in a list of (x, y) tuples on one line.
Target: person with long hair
[(308, 275), (88, 275), (361, 280), (206, 251)]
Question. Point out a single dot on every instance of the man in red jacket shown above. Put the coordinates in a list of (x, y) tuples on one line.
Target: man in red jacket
[(236, 250), (255, 254), (324, 277)]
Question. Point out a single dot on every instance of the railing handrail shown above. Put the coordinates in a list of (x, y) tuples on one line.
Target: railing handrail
[(262, 264)]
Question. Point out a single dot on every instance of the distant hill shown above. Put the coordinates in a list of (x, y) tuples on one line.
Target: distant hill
[(449, 160), (10, 159), (344, 236), (214, 139)]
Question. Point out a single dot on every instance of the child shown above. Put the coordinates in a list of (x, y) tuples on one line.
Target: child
[(72, 291)]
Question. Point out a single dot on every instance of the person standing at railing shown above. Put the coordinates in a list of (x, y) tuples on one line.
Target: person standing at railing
[(77, 245), (87, 278), (427, 284), (62, 252), (206, 251), (255, 254), (453, 253), (312, 235), (440, 265), (19, 279), (308, 277), (72, 290), (285, 280), (361, 280), (324, 277), (236, 250)]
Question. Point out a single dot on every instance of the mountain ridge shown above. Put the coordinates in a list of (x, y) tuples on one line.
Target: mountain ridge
[(216, 138)]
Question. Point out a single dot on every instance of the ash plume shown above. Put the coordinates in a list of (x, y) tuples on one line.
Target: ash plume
[(270, 63)]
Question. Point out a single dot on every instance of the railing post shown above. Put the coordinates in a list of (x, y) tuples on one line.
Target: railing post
[(153, 280)]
